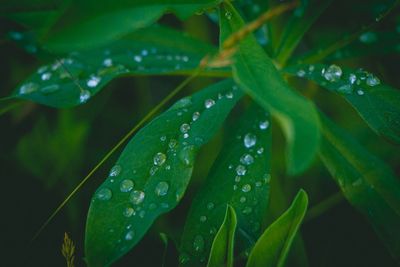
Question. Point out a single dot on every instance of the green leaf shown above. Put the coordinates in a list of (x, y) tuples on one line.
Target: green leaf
[(222, 247), (273, 246), (86, 24), (152, 173), (367, 182), (73, 80), (239, 178), (258, 77), (297, 26), (378, 104)]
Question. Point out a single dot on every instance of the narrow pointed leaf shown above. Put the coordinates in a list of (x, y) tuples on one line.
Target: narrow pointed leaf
[(74, 79), (378, 104), (367, 182), (152, 173), (239, 178), (256, 74), (87, 24), (297, 26), (221, 253), (273, 246)]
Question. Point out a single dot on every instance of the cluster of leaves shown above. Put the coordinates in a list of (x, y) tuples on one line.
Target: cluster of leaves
[(92, 44)]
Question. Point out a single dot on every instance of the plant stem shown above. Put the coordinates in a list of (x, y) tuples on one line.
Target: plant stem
[(324, 205)]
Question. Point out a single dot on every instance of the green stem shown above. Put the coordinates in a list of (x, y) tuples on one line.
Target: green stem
[(324, 205)]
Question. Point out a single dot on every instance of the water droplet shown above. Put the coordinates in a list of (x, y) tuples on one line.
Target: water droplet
[(104, 194), (50, 89), (137, 197), (115, 171), (260, 150), (144, 52), (311, 68), (129, 235), (28, 88), (372, 80), (107, 62), (258, 184), (159, 159), (237, 179), (195, 116), (126, 185), (184, 258), (185, 128), (93, 81), (345, 89), (153, 170), (333, 73), (137, 58), (229, 95), (163, 138), (161, 189), (210, 205), (228, 15), (186, 155), (241, 170), (172, 143), (84, 96), (203, 218), (368, 37), (142, 213), (267, 178), (360, 92), (301, 73), (249, 140), (247, 159), (264, 125), (46, 76), (128, 212), (246, 188), (247, 210), (352, 78), (242, 199), (198, 243), (209, 103)]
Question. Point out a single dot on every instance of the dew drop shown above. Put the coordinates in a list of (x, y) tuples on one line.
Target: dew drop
[(247, 159), (352, 78), (301, 73), (128, 212), (246, 188), (163, 138), (228, 15), (137, 197), (203, 218), (264, 125), (360, 92), (229, 95), (104, 194), (195, 116), (107, 62), (311, 68), (84, 96), (159, 159), (184, 258), (242, 199), (126, 185), (115, 171), (247, 210), (333, 73), (249, 140), (130, 235), (210, 205), (186, 155), (237, 179), (137, 58), (93, 81), (153, 170), (368, 37), (260, 150), (28, 88), (345, 89), (198, 243), (161, 188), (184, 128), (209, 103), (372, 80), (46, 76), (172, 143), (241, 170)]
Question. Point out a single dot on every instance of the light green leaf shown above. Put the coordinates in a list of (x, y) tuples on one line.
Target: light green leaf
[(152, 173), (368, 184), (239, 178), (258, 77), (297, 26), (73, 80), (378, 104), (221, 254), (273, 246), (87, 23)]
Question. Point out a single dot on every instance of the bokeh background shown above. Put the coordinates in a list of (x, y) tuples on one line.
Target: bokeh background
[(45, 152)]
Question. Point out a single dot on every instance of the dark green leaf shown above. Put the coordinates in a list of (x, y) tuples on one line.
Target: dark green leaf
[(152, 173), (378, 104), (239, 178), (221, 253), (273, 246), (297, 26), (366, 182), (74, 79), (88, 23), (257, 76)]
